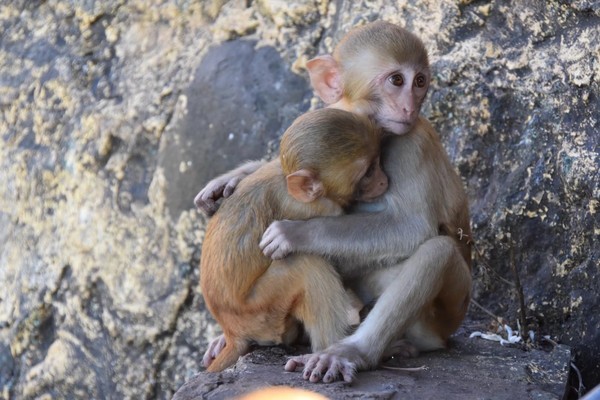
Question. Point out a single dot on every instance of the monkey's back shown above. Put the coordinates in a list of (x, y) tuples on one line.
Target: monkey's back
[(231, 257), (230, 252)]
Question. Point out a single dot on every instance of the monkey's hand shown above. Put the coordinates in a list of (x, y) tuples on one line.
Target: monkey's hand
[(214, 348), (326, 366), (221, 187), (281, 238)]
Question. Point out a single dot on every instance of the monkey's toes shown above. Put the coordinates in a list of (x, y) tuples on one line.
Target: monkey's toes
[(291, 365)]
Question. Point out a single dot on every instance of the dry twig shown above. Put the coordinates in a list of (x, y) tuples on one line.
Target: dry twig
[(518, 287)]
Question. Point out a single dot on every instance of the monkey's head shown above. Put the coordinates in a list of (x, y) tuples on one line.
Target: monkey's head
[(380, 70), (333, 154)]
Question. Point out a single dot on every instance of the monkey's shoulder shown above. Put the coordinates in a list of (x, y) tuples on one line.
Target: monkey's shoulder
[(264, 187), (265, 179), (262, 197), (257, 198)]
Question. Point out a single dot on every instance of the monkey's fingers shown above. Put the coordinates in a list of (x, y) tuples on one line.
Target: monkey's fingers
[(330, 368), (208, 358), (309, 368), (348, 371), (294, 362), (206, 205), (339, 367), (333, 372), (291, 365), (214, 348), (323, 367), (275, 250), (207, 198), (274, 242), (230, 186), (267, 243)]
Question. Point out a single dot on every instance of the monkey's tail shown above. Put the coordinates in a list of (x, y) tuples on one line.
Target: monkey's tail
[(234, 349)]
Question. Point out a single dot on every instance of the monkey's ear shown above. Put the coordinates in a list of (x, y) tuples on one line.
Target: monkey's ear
[(325, 78), (304, 186)]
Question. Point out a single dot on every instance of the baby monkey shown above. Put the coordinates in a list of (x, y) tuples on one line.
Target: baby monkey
[(328, 158)]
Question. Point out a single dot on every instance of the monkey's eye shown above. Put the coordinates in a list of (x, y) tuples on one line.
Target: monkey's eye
[(420, 81), (396, 80)]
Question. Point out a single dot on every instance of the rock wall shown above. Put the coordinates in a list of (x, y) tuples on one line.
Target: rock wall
[(113, 114)]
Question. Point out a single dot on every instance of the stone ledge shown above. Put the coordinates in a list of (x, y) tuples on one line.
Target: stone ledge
[(469, 369)]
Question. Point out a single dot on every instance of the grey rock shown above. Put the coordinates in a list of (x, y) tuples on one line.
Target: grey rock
[(469, 369), (105, 109), (241, 100)]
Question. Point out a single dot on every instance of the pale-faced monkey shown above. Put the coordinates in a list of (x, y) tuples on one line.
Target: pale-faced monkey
[(408, 251), (327, 159)]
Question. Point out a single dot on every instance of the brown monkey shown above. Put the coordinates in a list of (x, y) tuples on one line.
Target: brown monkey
[(324, 156), (404, 251)]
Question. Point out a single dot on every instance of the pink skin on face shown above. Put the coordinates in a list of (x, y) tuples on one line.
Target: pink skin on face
[(402, 91)]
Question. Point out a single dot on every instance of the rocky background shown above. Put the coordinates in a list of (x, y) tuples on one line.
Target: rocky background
[(114, 113)]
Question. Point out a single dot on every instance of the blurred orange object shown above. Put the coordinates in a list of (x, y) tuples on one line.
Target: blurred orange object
[(282, 393)]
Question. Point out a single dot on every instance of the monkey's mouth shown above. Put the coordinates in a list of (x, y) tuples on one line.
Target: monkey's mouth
[(396, 122), (396, 126)]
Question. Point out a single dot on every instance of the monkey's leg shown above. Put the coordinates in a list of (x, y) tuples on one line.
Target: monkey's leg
[(325, 306), (309, 289), (438, 321), (419, 280)]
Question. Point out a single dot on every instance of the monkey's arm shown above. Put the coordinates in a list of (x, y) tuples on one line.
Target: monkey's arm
[(223, 186), (366, 238)]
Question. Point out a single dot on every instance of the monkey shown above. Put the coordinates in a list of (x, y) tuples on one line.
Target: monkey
[(408, 253), (328, 157)]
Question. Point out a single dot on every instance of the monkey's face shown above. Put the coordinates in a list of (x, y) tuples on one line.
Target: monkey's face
[(401, 92), (374, 183), (361, 179)]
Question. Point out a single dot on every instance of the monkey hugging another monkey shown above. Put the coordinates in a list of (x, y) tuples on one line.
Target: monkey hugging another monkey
[(408, 251), (328, 158)]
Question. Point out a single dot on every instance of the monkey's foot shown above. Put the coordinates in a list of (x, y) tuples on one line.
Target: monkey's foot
[(214, 348), (337, 362)]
